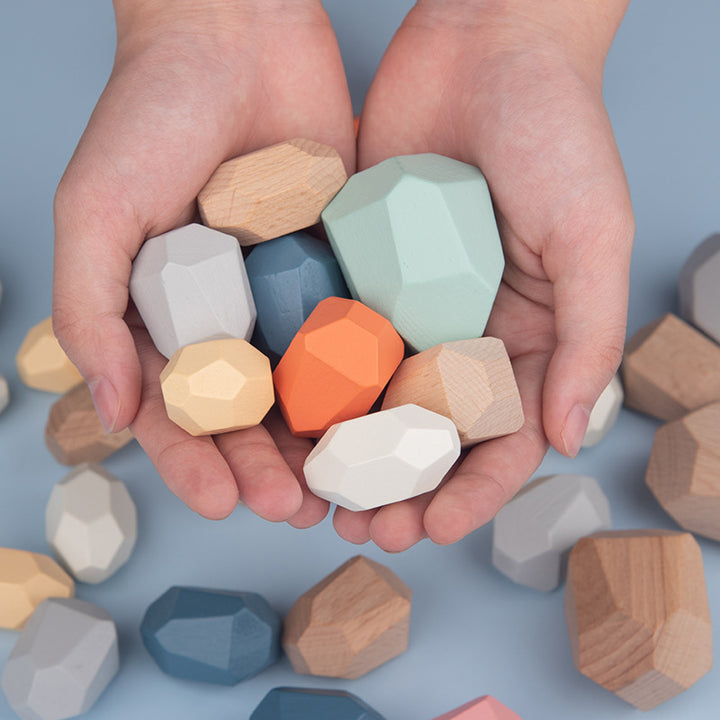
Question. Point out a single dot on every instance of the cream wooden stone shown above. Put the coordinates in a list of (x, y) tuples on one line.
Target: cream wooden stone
[(605, 412)]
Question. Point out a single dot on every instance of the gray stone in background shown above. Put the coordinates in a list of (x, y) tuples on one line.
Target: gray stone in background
[(63, 660), (190, 285), (605, 412), (699, 287), (91, 523), (534, 533)]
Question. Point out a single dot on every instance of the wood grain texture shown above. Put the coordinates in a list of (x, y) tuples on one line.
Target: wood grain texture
[(272, 191), (351, 622), (684, 470), (74, 433), (470, 382), (670, 368), (638, 615)]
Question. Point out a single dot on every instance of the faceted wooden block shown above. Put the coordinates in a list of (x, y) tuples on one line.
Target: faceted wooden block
[(289, 276), (482, 708), (605, 413), (63, 660), (382, 458), (26, 579), (91, 523), (41, 362), (217, 386), (417, 241), (638, 615), (471, 382), (534, 533), (74, 433), (684, 470), (305, 704), (4, 394), (336, 366), (273, 191), (699, 287), (213, 636), (351, 622), (190, 285), (670, 368)]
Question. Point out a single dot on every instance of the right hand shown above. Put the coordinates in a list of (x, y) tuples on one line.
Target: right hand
[(193, 84)]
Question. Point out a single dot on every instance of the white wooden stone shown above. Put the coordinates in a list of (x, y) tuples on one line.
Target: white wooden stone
[(190, 285), (91, 523), (605, 412), (382, 458), (4, 393), (534, 533), (699, 287), (62, 661)]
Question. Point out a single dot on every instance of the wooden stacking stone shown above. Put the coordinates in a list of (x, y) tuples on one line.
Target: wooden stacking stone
[(670, 368), (471, 382), (684, 470), (482, 708), (604, 413), (699, 287), (351, 622), (637, 613), (74, 433), (4, 393), (272, 191), (288, 703)]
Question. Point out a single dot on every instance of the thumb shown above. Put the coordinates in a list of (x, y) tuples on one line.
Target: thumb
[(590, 293)]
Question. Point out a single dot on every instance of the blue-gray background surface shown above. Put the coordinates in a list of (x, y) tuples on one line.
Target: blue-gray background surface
[(473, 631)]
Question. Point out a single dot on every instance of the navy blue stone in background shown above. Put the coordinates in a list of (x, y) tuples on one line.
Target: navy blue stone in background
[(214, 636), (305, 704), (288, 277)]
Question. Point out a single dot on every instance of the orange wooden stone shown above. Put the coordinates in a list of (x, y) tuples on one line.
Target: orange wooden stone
[(41, 362), (637, 613), (74, 433), (336, 366), (670, 368), (351, 622), (273, 191), (26, 579)]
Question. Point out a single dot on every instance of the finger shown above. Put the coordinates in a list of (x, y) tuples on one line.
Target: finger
[(191, 467), (399, 526), (591, 281), (353, 526), (295, 450), (493, 471)]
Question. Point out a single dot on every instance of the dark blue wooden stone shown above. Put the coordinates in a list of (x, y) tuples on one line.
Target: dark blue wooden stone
[(288, 277), (213, 636), (307, 704)]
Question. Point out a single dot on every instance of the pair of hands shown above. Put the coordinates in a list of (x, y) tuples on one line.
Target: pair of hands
[(197, 83)]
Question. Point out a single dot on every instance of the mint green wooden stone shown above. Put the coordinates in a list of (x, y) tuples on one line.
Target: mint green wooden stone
[(416, 240)]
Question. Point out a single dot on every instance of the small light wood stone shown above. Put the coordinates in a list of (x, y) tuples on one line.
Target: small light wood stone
[(670, 368), (42, 364), (470, 382), (638, 615), (273, 191), (351, 622), (684, 470), (74, 433)]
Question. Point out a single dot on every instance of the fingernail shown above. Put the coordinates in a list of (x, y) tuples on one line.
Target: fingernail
[(574, 430), (106, 402)]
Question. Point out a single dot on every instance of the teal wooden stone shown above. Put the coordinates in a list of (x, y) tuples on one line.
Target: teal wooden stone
[(213, 636), (305, 704), (289, 276), (417, 242)]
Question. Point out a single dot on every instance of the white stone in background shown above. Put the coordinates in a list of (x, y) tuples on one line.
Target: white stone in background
[(382, 458), (605, 412), (91, 523), (190, 285), (534, 533), (699, 287), (4, 393), (62, 661)]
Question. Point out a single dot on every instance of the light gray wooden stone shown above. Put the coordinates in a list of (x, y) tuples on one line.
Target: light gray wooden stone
[(190, 285), (699, 287), (382, 458), (91, 523), (62, 661), (534, 533), (605, 412), (4, 393)]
